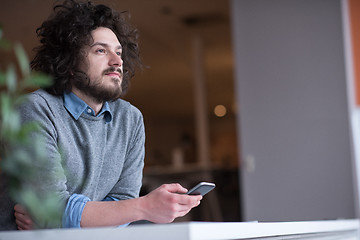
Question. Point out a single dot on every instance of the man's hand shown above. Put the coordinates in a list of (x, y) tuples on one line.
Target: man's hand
[(168, 202), (22, 218)]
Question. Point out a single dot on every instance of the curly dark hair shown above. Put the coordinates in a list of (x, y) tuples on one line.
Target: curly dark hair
[(68, 29)]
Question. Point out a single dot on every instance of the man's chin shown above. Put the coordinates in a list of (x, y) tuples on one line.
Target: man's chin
[(113, 94), (108, 93)]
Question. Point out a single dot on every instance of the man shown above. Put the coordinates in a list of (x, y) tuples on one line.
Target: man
[(95, 139)]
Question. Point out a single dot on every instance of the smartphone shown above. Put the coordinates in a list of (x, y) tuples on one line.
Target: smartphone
[(201, 189)]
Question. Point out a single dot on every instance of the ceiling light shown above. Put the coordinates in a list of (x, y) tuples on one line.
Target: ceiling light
[(220, 110)]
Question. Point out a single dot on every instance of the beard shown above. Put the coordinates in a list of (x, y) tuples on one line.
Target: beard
[(99, 91)]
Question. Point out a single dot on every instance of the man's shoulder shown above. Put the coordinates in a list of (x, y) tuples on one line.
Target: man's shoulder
[(121, 106), (40, 99), (39, 103), (41, 95)]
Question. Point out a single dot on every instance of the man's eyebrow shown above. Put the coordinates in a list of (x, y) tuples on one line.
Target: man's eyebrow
[(104, 45)]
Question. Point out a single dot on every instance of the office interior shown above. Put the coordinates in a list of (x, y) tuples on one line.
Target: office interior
[(258, 96)]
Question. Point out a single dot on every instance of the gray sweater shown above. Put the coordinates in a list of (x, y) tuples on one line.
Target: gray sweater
[(94, 158)]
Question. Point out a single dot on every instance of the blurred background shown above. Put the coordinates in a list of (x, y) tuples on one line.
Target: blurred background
[(254, 95)]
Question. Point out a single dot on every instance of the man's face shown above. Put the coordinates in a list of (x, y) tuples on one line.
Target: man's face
[(103, 66)]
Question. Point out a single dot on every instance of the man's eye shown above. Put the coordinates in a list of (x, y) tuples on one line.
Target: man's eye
[(100, 50), (118, 53)]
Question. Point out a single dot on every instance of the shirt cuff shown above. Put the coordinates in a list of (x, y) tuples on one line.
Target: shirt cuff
[(73, 211)]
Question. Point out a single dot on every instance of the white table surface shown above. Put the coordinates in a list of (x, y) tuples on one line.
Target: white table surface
[(189, 231)]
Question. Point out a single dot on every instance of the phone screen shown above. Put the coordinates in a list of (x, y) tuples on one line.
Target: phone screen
[(201, 189)]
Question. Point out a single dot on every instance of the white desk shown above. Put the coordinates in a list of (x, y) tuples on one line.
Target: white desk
[(341, 229)]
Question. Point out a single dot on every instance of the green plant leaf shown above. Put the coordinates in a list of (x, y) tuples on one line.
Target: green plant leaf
[(23, 156), (10, 121), (27, 129), (11, 81), (37, 80), (44, 209), (22, 59), (2, 79), (6, 45), (5, 104)]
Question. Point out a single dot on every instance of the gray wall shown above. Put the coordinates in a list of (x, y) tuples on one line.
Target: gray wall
[(293, 120)]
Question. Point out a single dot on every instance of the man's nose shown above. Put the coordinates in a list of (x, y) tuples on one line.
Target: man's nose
[(115, 60)]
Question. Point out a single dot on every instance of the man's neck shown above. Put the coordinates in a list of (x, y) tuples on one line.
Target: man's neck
[(93, 103)]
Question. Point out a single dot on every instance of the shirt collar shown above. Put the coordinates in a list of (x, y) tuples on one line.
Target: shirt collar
[(77, 106), (106, 110)]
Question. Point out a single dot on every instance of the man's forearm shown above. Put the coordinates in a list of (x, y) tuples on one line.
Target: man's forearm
[(111, 213)]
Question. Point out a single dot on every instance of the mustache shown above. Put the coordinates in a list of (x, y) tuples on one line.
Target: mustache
[(113, 69)]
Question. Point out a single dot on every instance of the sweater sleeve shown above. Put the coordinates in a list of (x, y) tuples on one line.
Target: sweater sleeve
[(50, 175)]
